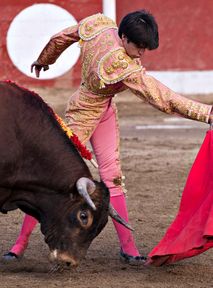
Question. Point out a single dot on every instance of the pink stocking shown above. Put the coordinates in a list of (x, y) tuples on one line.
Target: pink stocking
[(105, 143), (26, 230), (125, 236)]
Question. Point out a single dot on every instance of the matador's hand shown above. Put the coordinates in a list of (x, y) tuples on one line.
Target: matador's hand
[(38, 68)]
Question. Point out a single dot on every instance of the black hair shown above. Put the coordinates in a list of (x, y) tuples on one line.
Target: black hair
[(141, 28)]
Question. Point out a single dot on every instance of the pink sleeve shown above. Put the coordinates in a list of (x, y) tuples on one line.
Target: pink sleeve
[(57, 44), (154, 92)]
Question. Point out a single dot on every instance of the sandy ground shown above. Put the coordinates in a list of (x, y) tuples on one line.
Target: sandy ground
[(157, 152)]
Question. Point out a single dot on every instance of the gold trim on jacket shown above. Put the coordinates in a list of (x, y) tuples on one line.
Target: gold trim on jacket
[(93, 25), (116, 65)]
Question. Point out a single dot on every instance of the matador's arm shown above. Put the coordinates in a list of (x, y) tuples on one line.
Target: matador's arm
[(164, 99), (57, 44)]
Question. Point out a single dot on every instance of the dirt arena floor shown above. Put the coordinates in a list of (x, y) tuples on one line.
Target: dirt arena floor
[(157, 152)]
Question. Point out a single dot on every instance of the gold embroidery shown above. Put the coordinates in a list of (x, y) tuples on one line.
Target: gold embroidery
[(116, 65), (57, 44), (80, 42), (93, 25), (120, 56), (86, 63), (132, 80), (154, 92), (87, 133), (88, 28), (89, 52), (191, 109), (102, 85), (109, 70), (91, 100), (119, 181), (124, 65)]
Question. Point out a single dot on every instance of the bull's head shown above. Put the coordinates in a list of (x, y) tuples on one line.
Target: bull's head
[(77, 221)]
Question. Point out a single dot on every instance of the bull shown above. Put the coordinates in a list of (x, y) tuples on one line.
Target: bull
[(43, 174)]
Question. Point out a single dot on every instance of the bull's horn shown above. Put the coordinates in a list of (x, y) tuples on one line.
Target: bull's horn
[(114, 214), (85, 186)]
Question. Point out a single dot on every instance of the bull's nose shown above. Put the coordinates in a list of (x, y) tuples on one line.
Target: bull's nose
[(73, 264), (57, 255), (68, 259)]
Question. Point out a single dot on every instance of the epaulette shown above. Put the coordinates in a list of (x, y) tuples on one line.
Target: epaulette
[(93, 25), (116, 65)]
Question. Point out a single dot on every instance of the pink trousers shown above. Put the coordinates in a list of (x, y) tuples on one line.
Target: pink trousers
[(105, 144)]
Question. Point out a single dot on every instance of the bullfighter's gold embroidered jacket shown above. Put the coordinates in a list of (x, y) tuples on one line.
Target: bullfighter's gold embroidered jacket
[(107, 70)]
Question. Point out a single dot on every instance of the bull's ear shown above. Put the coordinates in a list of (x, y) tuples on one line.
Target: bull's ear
[(91, 187)]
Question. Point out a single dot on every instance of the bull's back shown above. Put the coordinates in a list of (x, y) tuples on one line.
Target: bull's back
[(19, 110), (29, 129), (9, 107), (6, 104), (9, 143)]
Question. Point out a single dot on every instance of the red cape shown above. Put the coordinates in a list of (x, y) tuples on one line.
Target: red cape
[(191, 233)]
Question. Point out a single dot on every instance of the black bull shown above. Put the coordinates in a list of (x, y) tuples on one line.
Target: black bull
[(39, 170)]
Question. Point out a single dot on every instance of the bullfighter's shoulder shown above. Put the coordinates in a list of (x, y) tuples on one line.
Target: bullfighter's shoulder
[(116, 65), (93, 25)]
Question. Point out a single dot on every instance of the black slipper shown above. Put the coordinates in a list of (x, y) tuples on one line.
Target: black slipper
[(132, 260), (10, 256)]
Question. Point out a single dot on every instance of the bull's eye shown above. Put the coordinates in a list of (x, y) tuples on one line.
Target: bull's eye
[(84, 217)]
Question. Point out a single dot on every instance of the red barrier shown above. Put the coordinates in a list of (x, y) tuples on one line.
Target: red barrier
[(10, 9), (186, 34)]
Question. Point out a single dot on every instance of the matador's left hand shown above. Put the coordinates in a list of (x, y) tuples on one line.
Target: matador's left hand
[(35, 65)]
